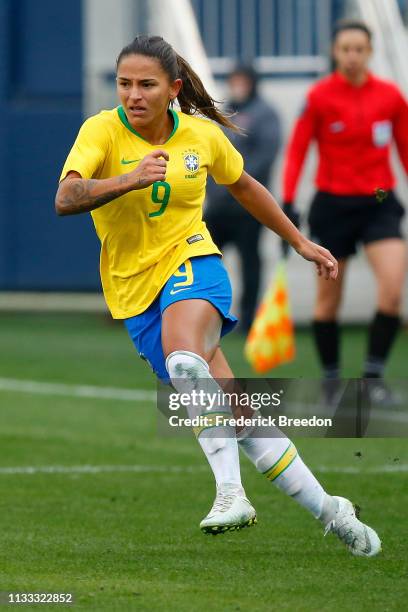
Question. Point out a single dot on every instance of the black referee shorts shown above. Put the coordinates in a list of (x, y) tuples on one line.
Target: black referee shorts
[(341, 223)]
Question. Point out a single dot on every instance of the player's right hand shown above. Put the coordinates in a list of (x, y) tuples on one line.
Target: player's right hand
[(152, 168)]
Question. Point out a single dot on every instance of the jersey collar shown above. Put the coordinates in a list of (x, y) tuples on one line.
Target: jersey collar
[(124, 120)]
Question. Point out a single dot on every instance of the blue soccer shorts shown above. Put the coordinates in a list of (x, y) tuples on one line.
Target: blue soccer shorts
[(203, 278)]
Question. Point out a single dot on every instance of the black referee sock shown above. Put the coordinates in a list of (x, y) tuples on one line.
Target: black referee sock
[(327, 339), (382, 333)]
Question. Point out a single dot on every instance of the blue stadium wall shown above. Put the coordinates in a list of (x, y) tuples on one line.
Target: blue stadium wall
[(41, 110)]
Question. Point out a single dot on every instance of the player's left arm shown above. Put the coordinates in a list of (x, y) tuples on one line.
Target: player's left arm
[(257, 200)]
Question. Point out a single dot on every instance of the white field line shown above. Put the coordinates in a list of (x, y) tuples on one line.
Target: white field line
[(87, 391), (101, 469), (178, 469)]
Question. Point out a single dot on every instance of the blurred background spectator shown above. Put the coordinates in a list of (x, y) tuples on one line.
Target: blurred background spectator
[(258, 142)]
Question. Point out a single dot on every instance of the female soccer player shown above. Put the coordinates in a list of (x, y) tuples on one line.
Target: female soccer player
[(354, 117), (141, 169)]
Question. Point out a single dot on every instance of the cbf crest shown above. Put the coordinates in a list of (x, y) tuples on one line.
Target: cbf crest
[(191, 162)]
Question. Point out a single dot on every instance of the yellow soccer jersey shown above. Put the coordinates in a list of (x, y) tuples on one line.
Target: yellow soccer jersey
[(147, 234)]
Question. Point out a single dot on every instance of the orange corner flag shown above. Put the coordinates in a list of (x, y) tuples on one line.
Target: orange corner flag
[(271, 339)]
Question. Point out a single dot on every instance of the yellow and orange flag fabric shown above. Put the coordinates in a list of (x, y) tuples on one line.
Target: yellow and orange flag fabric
[(271, 339)]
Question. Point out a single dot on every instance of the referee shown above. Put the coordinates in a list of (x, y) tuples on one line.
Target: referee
[(354, 116)]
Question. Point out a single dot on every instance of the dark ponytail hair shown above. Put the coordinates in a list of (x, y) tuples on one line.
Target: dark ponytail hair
[(193, 97)]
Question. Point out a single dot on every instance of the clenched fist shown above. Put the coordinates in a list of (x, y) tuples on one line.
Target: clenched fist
[(152, 168)]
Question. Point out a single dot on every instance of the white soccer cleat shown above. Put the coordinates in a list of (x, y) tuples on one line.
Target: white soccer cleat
[(360, 539), (231, 511)]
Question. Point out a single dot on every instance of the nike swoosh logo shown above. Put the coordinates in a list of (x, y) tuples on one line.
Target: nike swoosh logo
[(128, 161), (173, 291)]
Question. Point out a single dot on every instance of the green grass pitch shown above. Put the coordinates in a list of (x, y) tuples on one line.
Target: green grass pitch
[(129, 540)]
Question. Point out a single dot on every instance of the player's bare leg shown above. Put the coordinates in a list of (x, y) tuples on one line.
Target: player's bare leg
[(191, 332), (219, 366)]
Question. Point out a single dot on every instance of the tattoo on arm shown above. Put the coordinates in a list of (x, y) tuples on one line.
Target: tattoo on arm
[(78, 195)]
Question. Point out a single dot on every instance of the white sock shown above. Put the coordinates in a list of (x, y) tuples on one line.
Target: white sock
[(189, 371), (278, 459), (224, 462)]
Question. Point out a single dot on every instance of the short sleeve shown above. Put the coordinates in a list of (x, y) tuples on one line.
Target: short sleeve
[(227, 164), (89, 150)]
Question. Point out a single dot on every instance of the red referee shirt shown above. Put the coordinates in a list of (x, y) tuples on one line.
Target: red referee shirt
[(353, 128)]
